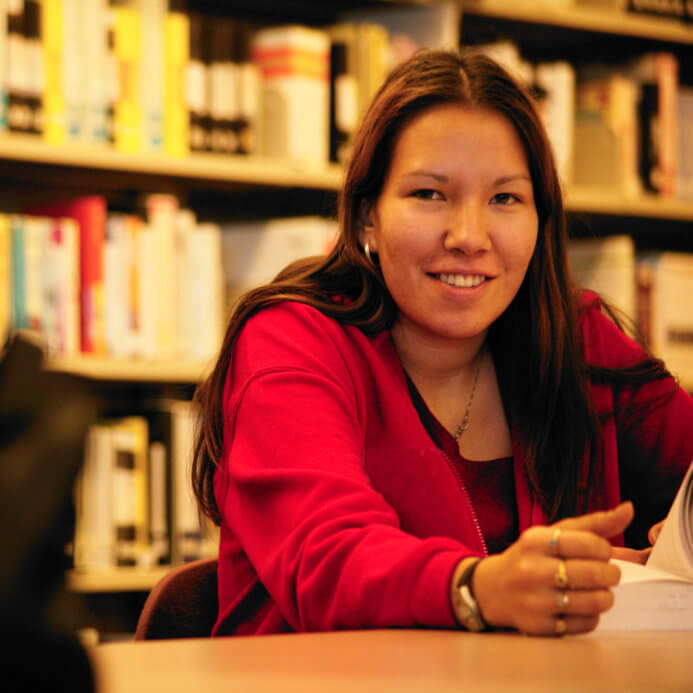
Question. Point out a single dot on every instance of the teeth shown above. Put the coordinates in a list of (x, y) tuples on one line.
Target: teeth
[(462, 280)]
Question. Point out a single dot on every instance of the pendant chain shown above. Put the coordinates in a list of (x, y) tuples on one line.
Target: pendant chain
[(464, 423)]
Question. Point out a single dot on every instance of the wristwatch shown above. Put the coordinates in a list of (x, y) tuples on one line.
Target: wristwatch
[(464, 605)]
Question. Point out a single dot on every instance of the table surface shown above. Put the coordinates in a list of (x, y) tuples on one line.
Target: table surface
[(402, 661)]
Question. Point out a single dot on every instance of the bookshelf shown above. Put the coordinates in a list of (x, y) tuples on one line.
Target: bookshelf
[(586, 18), (245, 184)]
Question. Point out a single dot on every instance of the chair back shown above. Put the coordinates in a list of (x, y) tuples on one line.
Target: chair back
[(183, 604)]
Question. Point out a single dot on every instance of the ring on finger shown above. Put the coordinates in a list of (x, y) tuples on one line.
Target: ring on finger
[(553, 542), (559, 626), (562, 600), (561, 576)]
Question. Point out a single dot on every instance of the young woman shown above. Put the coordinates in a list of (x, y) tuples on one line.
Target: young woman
[(431, 426)]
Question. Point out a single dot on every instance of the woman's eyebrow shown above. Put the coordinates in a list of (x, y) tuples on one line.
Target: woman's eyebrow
[(509, 179), (430, 174)]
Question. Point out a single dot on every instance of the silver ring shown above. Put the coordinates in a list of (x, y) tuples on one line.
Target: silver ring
[(562, 600), (561, 576), (553, 542), (559, 626)]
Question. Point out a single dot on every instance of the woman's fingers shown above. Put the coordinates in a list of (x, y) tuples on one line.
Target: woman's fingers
[(632, 555), (654, 532), (606, 523)]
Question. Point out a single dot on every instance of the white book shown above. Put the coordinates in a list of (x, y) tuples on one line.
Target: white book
[(607, 266), (161, 219), (255, 252), (74, 72), (659, 595), (206, 292), (662, 280), (61, 287), (294, 63), (98, 78), (36, 232), (185, 224), (116, 261), (558, 111), (152, 16), (94, 545)]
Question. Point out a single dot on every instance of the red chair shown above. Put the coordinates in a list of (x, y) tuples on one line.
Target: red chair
[(183, 604)]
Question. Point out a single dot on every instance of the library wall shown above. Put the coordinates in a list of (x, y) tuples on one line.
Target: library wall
[(160, 157)]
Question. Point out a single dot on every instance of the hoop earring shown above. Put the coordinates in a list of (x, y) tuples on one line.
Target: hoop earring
[(368, 253)]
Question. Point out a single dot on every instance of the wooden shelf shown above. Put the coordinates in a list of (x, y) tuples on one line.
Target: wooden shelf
[(596, 201), (201, 167), (102, 368), (583, 17), (116, 579)]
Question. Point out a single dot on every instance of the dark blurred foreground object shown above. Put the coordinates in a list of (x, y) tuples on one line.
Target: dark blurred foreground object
[(44, 418)]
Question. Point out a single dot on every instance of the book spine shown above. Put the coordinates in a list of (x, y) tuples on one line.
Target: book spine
[(295, 71), (33, 56), (5, 277), (73, 70), (344, 104), (115, 265), (127, 118), (152, 16), (66, 238), (224, 90), (176, 116), (4, 65), (196, 78), (92, 220), (667, 68), (98, 78), (247, 121), (19, 317), (18, 110), (54, 122), (94, 543)]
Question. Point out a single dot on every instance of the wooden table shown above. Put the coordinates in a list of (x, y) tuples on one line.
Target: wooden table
[(401, 661)]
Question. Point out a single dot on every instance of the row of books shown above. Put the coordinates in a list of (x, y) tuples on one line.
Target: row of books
[(649, 288), (117, 284), (153, 286), (133, 499), (146, 75), (624, 128)]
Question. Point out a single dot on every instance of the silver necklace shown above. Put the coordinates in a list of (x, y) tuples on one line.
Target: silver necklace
[(464, 423)]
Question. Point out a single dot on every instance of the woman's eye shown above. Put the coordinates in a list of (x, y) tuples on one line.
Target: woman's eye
[(504, 199), (427, 194)]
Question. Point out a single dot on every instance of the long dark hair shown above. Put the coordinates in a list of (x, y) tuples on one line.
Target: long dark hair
[(535, 343)]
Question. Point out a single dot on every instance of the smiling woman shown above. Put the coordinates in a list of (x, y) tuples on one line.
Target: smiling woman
[(389, 429)]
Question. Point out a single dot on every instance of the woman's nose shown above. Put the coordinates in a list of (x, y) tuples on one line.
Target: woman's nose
[(467, 230)]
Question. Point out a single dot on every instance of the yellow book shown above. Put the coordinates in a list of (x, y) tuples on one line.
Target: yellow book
[(127, 121), (53, 101), (176, 56)]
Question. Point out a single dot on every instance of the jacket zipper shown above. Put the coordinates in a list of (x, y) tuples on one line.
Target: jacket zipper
[(465, 494)]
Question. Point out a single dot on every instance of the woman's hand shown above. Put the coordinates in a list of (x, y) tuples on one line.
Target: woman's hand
[(639, 555), (553, 580)]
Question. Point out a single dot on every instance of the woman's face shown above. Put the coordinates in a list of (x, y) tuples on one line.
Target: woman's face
[(455, 225)]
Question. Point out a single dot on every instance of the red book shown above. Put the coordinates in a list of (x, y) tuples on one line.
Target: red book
[(90, 214)]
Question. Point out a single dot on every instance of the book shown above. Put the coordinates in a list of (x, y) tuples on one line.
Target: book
[(661, 280), (606, 132), (127, 109), (54, 130), (659, 594), (176, 53), (152, 16), (685, 117), (254, 252), (294, 63), (607, 266), (90, 214), (3, 66), (5, 277)]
